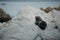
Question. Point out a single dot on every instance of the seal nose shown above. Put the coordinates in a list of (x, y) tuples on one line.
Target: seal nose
[(40, 23)]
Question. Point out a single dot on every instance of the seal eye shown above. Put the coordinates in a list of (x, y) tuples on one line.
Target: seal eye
[(40, 23)]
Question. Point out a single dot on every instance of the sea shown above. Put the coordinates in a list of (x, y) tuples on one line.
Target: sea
[(12, 8)]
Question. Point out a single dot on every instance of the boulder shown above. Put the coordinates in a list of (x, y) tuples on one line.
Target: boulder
[(39, 22), (3, 16), (57, 8), (48, 9)]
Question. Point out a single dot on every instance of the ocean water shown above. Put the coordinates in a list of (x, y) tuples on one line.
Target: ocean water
[(15, 31), (13, 7)]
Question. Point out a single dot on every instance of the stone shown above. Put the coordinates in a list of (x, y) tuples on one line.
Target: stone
[(48, 9), (39, 22), (3, 16)]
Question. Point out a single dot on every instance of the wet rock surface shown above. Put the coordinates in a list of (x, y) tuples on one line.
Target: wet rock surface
[(3, 16), (40, 23), (57, 8), (49, 9)]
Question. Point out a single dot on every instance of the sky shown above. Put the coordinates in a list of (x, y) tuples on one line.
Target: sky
[(31, 0)]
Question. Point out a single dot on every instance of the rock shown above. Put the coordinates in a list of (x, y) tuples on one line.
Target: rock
[(3, 4), (38, 18), (48, 9), (3, 16), (39, 22), (41, 8), (57, 8)]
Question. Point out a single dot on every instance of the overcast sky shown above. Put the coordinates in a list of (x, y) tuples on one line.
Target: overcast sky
[(32, 0)]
